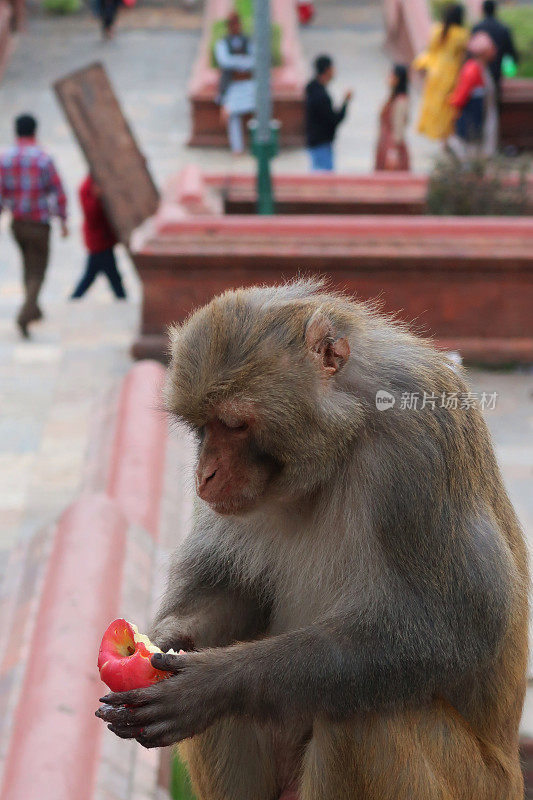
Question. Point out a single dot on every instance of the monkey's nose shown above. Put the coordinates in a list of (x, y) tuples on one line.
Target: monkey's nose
[(203, 479)]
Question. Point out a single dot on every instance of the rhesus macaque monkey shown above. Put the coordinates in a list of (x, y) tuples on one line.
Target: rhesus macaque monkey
[(355, 582)]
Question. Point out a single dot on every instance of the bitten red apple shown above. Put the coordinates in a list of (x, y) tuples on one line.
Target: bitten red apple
[(124, 658)]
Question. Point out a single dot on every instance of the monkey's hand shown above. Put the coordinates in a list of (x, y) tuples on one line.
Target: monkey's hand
[(173, 709), (168, 634)]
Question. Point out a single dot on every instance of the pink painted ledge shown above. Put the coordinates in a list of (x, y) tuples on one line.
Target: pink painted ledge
[(126, 452), (194, 193), (53, 753), (191, 190), (192, 204), (100, 565), (138, 455), (169, 222)]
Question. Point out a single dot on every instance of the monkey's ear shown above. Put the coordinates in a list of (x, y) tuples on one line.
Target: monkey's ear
[(325, 345)]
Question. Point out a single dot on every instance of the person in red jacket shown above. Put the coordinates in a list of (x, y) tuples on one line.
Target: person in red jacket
[(100, 240), (474, 98)]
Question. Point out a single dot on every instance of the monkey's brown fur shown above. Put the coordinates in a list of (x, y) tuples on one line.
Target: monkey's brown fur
[(360, 602)]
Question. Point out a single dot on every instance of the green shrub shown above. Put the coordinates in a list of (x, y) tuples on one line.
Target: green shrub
[(520, 20), (62, 6), (479, 188), (244, 8), (180, 784), (220, 30)]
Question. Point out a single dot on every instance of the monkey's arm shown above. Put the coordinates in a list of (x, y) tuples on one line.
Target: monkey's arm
[(203, 618), (202, 606), (416, 639)]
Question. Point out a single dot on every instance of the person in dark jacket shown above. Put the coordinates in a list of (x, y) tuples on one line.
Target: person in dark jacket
[(100, 240), (500, 35), (321, 119)]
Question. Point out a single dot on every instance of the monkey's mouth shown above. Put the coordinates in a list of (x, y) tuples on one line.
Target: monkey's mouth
[(231, 506)]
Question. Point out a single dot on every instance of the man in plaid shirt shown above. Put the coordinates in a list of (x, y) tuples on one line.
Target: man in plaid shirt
[(31, 189)]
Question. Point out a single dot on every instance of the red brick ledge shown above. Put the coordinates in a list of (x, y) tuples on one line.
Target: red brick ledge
[(53, 753), (491, 350)]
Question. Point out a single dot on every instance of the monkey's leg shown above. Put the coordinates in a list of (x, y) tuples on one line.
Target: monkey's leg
[(233, 760), (428, 754)]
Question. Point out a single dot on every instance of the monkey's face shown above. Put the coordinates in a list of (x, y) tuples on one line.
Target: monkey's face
[(232, 474), (256, 377)]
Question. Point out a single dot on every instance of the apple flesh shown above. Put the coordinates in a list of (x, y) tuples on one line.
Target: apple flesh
[(125, 656)]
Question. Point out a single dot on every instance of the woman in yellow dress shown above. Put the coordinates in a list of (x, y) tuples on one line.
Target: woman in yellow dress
[(441, 62)]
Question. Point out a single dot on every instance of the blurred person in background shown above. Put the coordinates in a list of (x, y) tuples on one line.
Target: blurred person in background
[(100, 239), (474, 98), (392, 153), (441, 63), (321, 119), (107, 11), (502, 38), (234, 55), (306, 11), (30, 187)]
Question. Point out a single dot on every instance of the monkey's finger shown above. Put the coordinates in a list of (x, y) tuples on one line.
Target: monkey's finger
[(164, 741), (117, 716), (136, 697), (128, 717), (103, 710), (169, 663), (109, 713), (125, 733), (158, 736)]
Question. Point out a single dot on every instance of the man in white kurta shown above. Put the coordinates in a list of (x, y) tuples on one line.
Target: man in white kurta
[(234, 55)]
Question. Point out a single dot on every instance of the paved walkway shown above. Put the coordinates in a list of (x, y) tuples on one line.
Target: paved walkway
[(50, 384)]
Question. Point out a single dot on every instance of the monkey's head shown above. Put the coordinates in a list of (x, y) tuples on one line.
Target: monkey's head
[(257, 374)]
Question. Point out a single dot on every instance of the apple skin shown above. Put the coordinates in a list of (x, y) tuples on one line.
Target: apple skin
[(124, 663)]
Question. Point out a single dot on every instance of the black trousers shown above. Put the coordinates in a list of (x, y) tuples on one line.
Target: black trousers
[(103, 262), (108, 12)]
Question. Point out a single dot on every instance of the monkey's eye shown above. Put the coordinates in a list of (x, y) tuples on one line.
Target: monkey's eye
[(235, 424), (200, 433)]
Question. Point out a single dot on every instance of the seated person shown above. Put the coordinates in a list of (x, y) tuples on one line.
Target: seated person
[(234, 55)]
